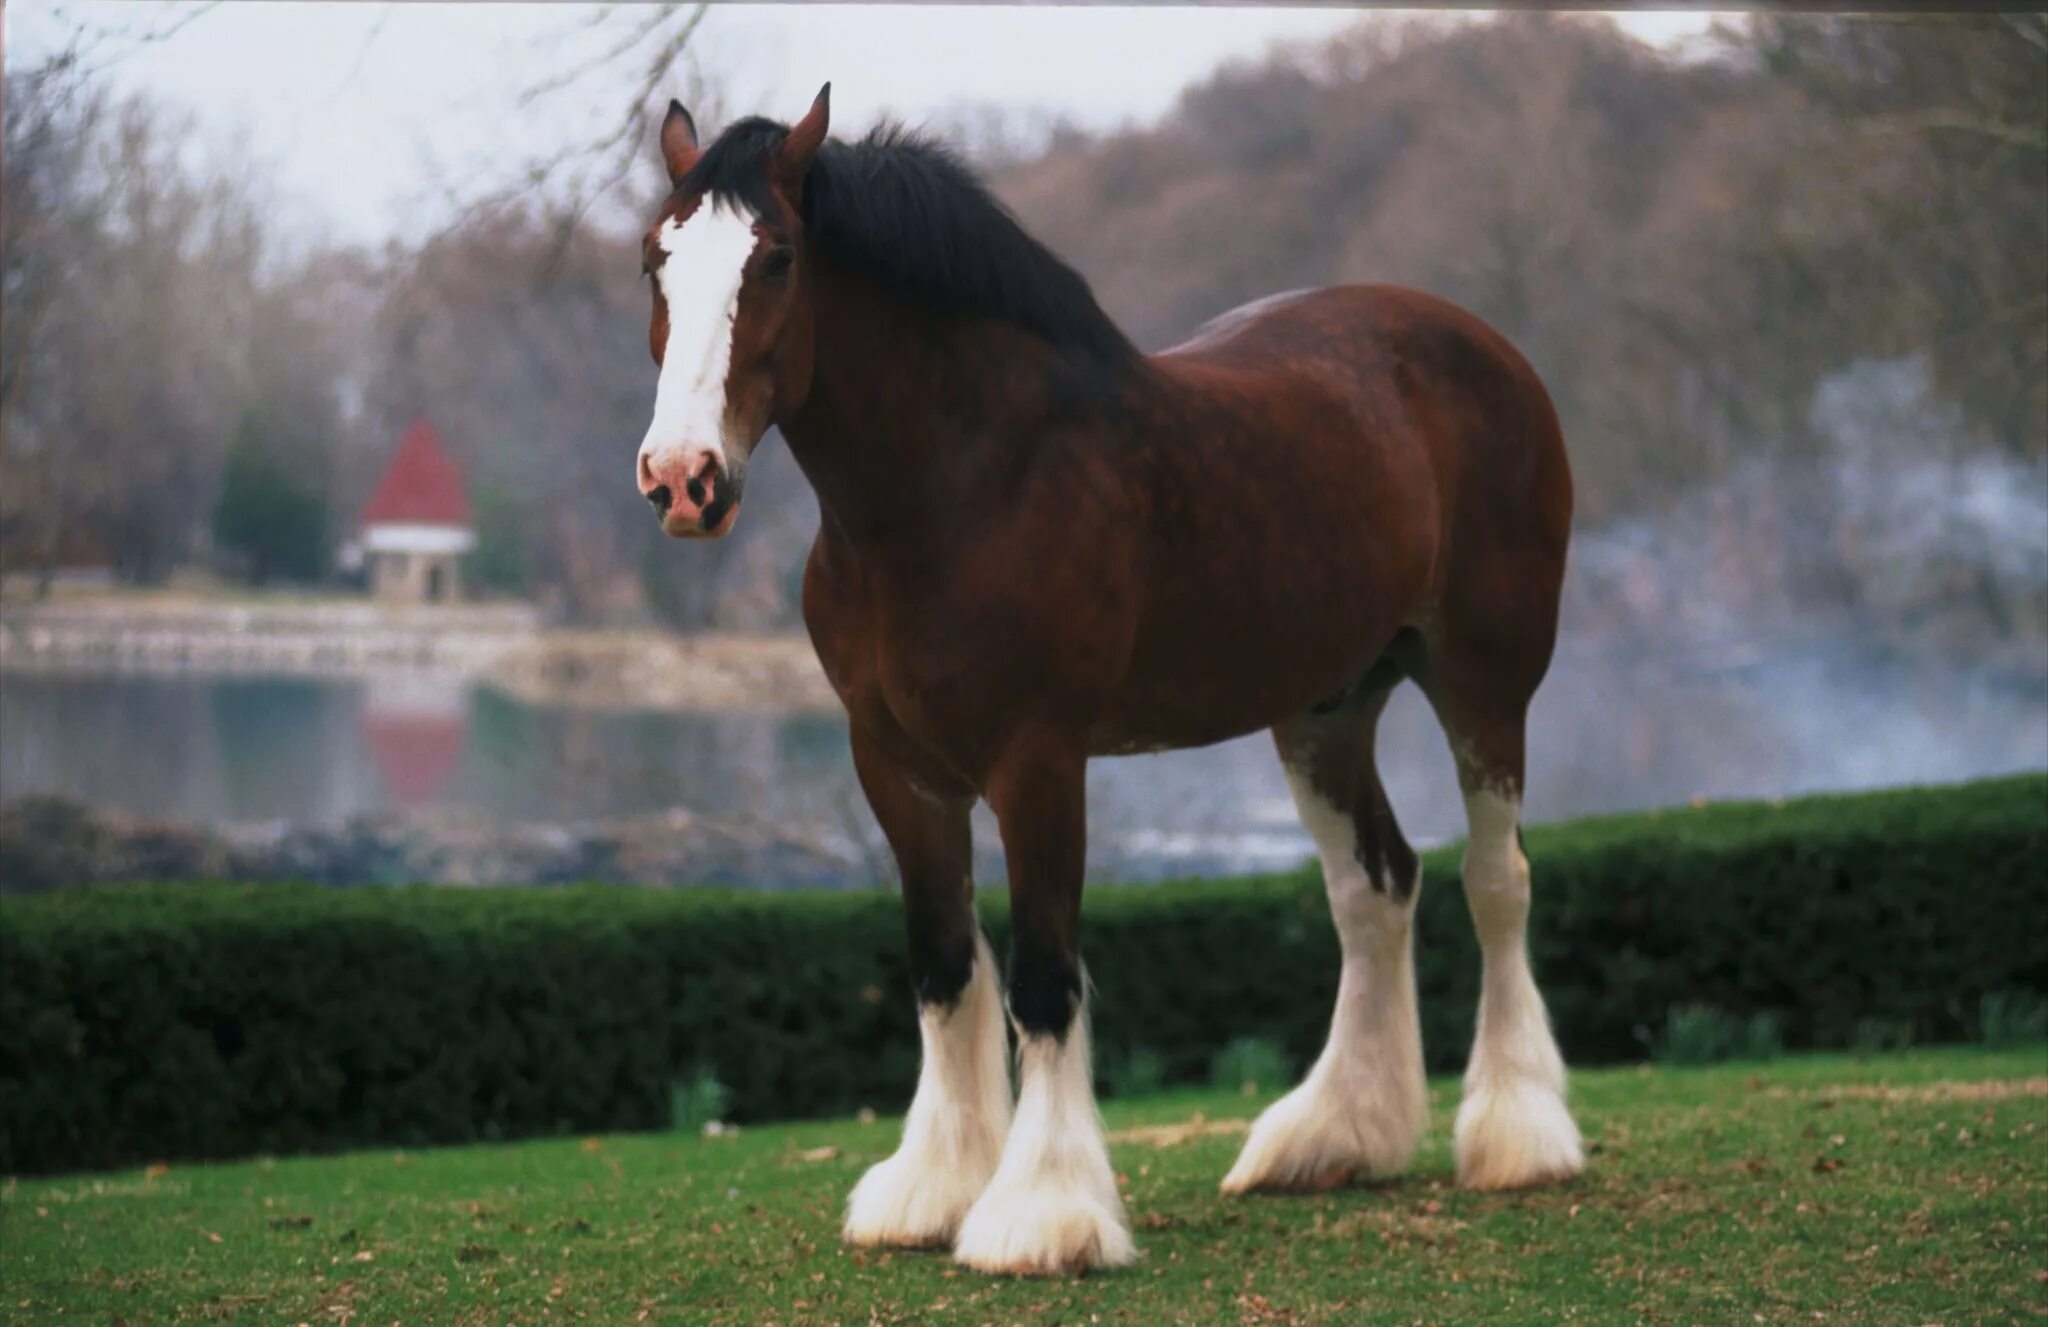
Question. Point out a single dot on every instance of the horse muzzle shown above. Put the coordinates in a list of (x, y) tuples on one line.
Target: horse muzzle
[(692, 493)]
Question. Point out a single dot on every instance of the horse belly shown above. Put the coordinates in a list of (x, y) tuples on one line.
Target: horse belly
[(1276, 601), (1238, 656)]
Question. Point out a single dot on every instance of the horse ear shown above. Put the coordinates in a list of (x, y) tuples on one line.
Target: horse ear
[(793, 161), (679, 149)]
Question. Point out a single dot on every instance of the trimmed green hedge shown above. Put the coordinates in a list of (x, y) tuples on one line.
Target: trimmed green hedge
[(162, 1022)]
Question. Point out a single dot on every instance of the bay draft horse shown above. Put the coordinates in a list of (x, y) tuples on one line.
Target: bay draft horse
[(1038, 545)]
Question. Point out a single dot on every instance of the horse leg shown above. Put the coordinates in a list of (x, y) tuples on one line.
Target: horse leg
[(1513, 1129), (953, 1134), (1052, 1206), (1362, 1107)]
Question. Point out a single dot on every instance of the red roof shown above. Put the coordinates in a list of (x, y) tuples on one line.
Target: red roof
[(422, 487)]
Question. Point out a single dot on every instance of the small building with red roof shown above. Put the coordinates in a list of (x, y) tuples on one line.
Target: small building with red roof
[(416, 525)]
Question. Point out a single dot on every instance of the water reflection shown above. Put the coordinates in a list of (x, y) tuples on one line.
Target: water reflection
[(319, 751)]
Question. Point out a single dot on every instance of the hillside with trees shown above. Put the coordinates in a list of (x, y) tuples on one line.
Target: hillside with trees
[(1763, 280), (1686, 250)]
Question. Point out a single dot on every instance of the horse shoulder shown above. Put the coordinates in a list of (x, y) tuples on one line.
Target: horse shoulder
[(836, 615)]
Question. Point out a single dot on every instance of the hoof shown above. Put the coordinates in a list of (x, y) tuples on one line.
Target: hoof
[(1044, 1232), (1320, 1136), (903, 1204), (1514, 1135)]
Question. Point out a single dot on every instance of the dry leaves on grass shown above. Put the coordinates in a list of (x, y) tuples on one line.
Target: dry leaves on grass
[(1991, 1089), (1173, 1135), (1258, 1309), (1395, 1226)]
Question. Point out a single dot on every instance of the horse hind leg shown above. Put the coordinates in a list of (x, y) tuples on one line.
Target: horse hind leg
[(1364, 1104), (1513, 1129)]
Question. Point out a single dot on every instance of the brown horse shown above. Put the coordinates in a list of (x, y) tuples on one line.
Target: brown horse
[(1038, 546)]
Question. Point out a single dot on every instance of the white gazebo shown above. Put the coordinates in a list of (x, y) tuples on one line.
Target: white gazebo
[(416, 526)]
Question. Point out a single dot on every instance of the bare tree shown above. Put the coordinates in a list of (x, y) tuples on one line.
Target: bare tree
[(51, 116), (141, 324), (634, 59)]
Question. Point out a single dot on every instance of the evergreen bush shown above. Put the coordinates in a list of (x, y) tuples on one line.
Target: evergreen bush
[(161, 1022)]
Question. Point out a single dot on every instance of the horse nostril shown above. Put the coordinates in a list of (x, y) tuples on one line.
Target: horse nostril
[(695, 488), (661, 498)]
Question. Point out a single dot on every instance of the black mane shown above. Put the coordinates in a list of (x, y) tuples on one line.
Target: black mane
[(907, 210)]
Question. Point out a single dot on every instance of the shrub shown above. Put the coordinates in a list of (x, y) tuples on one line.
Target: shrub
[(1878, 1036), (147, 1023), (701, 1101), (1250, 1065), (1694, 1034), (502, 561), (1763, 1037), (1702, 1034), (2012, 1018), (1139, 1073), (268, 514)]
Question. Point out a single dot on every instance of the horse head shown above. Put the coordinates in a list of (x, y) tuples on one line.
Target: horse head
[(731, 325)]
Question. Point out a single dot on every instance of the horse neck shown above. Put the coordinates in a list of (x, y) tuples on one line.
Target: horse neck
[(916, 415)]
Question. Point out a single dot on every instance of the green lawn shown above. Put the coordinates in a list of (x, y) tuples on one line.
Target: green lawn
[(1908, 1188)]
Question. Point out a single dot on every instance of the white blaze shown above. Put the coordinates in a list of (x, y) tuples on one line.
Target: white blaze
[(702, 266)]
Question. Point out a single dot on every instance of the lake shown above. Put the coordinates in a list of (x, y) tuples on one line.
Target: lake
[(238, 749)]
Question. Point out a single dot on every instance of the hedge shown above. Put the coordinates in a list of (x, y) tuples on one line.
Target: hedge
[(159, 1022)]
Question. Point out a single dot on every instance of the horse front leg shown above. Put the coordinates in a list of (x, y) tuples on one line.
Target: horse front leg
[(953, 1133), (1053, 1206)]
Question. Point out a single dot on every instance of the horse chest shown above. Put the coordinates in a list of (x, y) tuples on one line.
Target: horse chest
[(927, 678)]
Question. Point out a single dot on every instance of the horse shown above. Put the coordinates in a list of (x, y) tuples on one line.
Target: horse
[(1038, 545)]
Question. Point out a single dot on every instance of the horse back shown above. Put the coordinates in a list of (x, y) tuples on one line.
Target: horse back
[(1325, 468), (1424, 385)]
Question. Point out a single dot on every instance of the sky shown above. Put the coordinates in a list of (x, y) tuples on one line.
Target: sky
[(368, 116)]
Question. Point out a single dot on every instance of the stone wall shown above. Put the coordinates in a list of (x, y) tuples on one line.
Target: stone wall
[(286, 637), (49, 843)]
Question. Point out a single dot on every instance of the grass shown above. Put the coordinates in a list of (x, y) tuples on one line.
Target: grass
[(1906, 1188)]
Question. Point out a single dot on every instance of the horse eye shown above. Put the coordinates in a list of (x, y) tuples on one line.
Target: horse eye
[(780, 260)]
